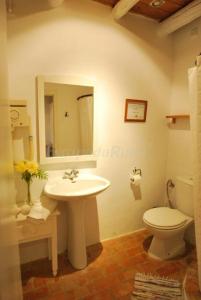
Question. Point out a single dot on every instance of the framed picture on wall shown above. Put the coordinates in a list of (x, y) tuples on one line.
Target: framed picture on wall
[(135, 110)]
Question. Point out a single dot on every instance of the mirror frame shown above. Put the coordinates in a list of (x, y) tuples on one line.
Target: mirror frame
[(62, 79)]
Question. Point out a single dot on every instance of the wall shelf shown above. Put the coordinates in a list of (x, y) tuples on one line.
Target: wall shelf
[(175, 117)]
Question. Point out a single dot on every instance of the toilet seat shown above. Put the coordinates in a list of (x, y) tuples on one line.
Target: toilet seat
[(165, 218)]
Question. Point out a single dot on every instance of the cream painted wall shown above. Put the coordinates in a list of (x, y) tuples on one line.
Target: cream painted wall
[(126, 60), (187, 46), (186, 43)]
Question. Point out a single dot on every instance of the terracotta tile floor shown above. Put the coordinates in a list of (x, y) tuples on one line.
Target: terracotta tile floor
[(109, 274)]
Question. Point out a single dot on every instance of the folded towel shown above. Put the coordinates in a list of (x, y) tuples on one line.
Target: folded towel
[(42, 208)]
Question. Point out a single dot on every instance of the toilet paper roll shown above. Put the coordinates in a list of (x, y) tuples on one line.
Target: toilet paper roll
[(136, 179)]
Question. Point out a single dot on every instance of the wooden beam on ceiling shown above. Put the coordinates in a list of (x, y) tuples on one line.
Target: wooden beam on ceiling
[(147, 8), (181, 18), (122, 8), (160, 13)]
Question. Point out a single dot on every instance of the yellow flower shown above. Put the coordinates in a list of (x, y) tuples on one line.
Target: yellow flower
[(29, 166), (21, 166), (32, 167), (30, 170)]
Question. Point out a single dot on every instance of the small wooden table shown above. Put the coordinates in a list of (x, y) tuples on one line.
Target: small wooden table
[(29, 229)]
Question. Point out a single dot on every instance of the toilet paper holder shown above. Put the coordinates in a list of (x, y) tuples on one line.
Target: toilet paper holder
[(135, 178), (137, 171)]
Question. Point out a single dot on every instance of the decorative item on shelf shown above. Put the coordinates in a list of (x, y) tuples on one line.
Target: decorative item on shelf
[(135, 110), (42, 208), (28, 171), (21, 120), (18, 114), (175, 117)]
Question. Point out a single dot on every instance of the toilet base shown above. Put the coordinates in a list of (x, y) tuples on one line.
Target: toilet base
[(164, 249)]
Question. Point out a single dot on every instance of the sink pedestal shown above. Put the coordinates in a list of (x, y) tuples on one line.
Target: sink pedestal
[(74, 194), (76, 234)]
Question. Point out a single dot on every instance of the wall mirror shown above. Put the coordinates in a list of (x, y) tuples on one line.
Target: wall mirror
[(65, 119)]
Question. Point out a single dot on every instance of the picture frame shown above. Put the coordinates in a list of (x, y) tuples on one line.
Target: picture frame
[(135, 110)]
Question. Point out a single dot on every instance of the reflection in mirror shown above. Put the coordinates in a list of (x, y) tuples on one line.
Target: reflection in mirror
[(68, 119)]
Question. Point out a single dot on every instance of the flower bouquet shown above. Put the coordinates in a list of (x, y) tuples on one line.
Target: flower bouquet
[(28, 171)]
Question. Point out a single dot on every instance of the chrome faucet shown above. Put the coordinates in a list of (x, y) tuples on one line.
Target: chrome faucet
[(75, 172), (71, 174)]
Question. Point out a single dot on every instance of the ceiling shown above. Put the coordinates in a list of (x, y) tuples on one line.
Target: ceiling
[(157, 13)]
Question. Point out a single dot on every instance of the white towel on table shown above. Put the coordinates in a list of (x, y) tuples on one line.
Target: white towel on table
[(42, 208)]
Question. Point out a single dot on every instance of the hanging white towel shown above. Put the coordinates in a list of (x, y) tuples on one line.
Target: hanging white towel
[(195, 98)]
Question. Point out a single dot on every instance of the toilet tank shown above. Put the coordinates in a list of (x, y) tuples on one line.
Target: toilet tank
[(184, 195)]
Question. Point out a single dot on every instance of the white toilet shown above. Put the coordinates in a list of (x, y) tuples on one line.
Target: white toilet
[(168, 225)]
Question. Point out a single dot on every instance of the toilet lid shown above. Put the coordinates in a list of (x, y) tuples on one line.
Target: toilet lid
[(165, 217)]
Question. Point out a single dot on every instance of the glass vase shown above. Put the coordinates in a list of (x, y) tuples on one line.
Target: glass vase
[(25, 209), (28, 201)]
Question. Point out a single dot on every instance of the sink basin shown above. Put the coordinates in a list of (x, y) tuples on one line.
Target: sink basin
[(74, 194), (86, 185)]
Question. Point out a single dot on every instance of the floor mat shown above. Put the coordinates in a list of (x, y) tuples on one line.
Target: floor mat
[(147, 286)]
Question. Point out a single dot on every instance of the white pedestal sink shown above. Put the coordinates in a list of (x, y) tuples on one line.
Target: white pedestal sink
[(75, 193)]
